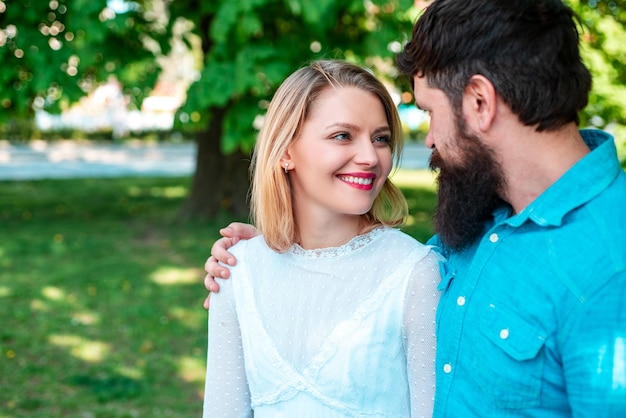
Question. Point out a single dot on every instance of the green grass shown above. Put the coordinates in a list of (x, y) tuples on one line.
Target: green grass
[(418, 188), (101, 296)]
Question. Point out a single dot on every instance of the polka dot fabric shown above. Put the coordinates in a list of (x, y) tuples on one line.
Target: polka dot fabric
[(337, 332)]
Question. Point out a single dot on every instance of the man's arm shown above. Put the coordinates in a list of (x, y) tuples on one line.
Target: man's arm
[(219, 253)]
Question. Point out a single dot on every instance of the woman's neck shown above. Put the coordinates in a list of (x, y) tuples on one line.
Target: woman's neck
[(329, 233)]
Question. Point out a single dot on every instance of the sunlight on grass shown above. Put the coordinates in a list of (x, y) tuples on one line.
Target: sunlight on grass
[(5, 291), (130, 372), (169, 192), (170, 276), (39, 305), (417, 218), (85, 318), (191, 369), (190, 318), (172, 192), (53, 293), (414, 178), (135, 191), (89, 351)]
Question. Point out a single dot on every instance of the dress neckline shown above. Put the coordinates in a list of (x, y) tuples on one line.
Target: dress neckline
[(354, 244)]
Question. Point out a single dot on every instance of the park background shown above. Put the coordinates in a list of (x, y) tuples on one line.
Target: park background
[(101, 278)]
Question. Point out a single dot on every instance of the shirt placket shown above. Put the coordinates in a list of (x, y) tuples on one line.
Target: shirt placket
[(453, 317)]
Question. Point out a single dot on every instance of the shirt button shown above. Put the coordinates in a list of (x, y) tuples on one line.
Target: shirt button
[(504, 333), (447, 368), (460, 300), (493, 237)]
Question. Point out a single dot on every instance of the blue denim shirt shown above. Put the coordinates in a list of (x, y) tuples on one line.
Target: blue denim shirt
[(532, 318)]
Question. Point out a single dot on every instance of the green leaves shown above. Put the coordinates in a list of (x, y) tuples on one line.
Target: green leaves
[(63, 46), (214, 88), (238, 126), (238, 18), (251, 46), (316, 12), (603, 49)]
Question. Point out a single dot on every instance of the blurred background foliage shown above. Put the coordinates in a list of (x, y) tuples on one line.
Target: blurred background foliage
[(604, 51), (55, 52)]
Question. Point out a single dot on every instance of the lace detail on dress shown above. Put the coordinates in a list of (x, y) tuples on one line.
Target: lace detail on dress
[(354, 244)]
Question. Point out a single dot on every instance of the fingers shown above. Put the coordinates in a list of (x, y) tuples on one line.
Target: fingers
[(210, 284), (238, 230), (219, 253)]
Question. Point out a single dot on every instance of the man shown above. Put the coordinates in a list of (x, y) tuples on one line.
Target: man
[(531, 214)]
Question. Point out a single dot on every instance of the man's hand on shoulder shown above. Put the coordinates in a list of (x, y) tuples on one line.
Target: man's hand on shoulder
[(219, 253)]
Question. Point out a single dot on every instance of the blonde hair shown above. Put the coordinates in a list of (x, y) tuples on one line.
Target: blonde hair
[(271, 198)]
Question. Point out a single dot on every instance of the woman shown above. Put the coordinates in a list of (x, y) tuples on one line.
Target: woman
[(330, 311)]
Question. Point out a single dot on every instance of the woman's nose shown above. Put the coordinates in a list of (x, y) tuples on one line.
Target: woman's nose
[(366, 153)]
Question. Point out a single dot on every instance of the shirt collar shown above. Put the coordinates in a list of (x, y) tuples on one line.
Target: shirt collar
[(581, 183)]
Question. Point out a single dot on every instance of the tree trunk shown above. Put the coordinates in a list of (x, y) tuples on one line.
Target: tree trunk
[(221, 182)]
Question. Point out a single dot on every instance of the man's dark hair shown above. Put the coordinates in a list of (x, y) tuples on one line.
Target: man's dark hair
[(528, 49)]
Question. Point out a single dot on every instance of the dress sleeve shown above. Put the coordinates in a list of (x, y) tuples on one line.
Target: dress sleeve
[(226, 391), (419, 333)]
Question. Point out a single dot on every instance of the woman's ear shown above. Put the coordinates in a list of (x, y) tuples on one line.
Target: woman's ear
[(480, 103), (286, 163)]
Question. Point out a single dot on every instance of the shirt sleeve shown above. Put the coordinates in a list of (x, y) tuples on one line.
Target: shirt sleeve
[(226, 391), (594, 353), (419, 333)]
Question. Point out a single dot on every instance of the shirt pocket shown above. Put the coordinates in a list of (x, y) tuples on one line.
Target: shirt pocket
[(509, 360)]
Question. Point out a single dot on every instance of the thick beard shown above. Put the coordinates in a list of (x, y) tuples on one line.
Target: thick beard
[(468, 191)]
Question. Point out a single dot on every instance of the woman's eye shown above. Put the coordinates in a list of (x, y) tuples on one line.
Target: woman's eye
[(383, 139), (341, 136)]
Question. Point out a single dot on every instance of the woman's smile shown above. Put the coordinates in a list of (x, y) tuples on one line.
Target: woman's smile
[(364, 181)]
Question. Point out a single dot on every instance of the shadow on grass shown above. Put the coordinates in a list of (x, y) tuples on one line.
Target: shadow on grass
[(101, 299), (108, 387)]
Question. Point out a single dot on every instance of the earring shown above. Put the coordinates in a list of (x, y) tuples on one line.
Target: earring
[(286, 168)]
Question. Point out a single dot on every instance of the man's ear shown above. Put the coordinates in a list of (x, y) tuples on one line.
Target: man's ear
[(480, 103)]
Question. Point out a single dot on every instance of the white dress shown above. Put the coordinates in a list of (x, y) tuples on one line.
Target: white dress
[(336, 332)]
